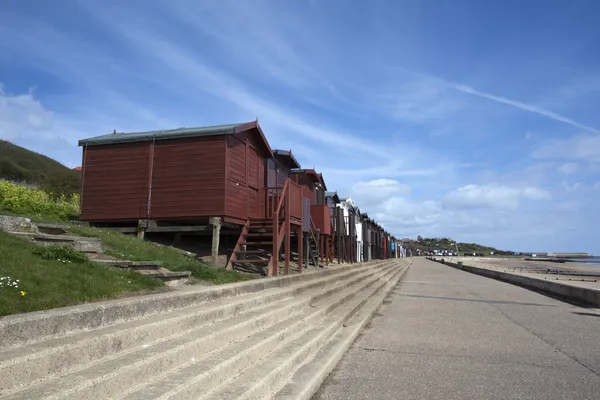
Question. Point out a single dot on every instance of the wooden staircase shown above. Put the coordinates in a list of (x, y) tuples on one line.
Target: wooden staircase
[(330, 248), (263, 241), (253, 251)]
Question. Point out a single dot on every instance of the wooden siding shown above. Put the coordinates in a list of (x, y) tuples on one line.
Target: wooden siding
[(322, 218), (188, 178), (271, 173), (295, 193), (308, 193), (237, 160), (115, 182), (261, 191), (246, 178), (254, 210), (253, 168), (319, 196), (237, 200), (282, 175)]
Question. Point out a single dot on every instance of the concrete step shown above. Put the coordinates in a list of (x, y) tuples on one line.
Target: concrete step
[(309, 376), (26, 329), (36, 361), (170, 278), (186, 352), (132, 265), (274, 370), (209, 372), (79, 243), (53, 229)]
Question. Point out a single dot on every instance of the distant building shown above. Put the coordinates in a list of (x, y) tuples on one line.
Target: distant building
[(569, 255)]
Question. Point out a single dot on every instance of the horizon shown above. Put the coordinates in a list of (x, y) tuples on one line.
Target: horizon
[(439, 118)]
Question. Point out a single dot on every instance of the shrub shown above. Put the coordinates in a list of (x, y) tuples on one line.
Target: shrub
[(62, 254), (21, 200)]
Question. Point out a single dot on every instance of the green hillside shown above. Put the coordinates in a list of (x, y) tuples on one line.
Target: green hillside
[(21, 165)]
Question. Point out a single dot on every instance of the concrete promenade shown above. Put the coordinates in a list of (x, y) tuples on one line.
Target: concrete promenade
[(448, 334)]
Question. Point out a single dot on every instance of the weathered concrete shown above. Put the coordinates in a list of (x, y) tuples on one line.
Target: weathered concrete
[(209, 349), (449, 334), (586, 293), (17, 224), (30, 327)]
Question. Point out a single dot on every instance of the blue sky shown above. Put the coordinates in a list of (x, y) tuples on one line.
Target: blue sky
[(470, 119)]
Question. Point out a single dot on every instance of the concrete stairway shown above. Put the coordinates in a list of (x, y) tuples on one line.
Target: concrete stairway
[(269, 338), (52, 234)]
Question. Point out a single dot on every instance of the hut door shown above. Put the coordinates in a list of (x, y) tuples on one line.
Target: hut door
[(253, 182), (271, 173)]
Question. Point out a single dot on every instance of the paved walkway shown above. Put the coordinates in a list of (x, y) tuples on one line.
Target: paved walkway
[(448, 334)]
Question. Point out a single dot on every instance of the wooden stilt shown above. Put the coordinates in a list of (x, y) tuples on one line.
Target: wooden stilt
[(216, 224), (288, 228), (300, 249)]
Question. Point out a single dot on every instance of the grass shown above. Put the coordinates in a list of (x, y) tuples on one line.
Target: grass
[(33, 279), (128, 247), (42, 218)]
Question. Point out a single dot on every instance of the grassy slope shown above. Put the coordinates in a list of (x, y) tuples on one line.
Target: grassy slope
[(52, 283), (129, 247), (22, 165), (447, 244)]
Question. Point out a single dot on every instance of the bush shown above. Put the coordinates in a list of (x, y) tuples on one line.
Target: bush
[(37, 203), (62, 254)]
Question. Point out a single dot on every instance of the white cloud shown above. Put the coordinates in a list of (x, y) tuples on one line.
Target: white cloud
[(376, 191), (492, 196), (580, 147), (399, 214), (568, 168), (22, 115)]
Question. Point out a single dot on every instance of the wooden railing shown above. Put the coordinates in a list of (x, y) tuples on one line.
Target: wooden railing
[(282, 208), (295, 200), (273, 196), (282, 204)]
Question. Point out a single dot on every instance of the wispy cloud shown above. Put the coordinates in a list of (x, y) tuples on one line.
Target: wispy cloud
[(583, 147), (522, 106), (433, 80)]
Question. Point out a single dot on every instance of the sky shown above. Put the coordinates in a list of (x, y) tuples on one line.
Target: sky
[(467, 119)]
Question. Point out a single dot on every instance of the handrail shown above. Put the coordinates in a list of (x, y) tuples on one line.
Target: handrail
[(312, 224), (283, 193)]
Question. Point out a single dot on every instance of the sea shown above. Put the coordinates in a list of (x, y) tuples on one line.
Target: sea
[(591, 261)]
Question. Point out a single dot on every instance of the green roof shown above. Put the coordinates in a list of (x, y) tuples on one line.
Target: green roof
[(178, 133)]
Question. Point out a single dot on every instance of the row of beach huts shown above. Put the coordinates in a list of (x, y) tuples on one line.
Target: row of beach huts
[(226, 185)]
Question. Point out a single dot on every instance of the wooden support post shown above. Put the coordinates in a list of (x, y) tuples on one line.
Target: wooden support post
[(327, 250), (274, 270), (288, 228), (321, 248), (141, 228), (308, 250), (216, 234), (300, 249)]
